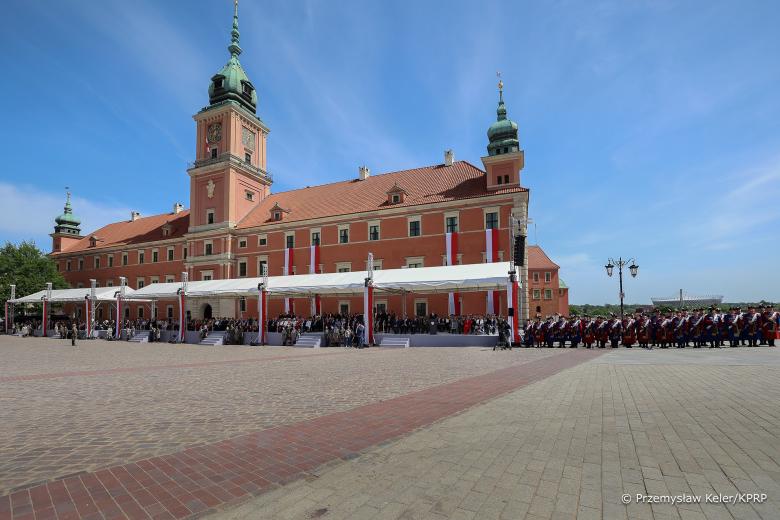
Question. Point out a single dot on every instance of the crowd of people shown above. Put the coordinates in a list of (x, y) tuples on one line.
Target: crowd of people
[(711, 327)]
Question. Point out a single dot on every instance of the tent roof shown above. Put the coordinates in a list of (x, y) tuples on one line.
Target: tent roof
[(460, 278), (73, 295)]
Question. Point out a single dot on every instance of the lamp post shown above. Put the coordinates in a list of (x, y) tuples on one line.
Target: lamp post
[(620, 263)]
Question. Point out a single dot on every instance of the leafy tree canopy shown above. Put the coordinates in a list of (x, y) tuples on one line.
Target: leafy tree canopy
[(29, 268)]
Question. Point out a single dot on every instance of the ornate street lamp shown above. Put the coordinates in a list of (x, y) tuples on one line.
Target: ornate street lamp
[(620, 263)]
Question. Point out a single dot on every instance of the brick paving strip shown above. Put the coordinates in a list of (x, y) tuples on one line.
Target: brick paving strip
[(201, 479), (123, 370)]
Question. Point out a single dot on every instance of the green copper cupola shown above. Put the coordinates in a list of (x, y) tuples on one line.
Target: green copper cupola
[(502, 134), (231, 83), (67, 223)]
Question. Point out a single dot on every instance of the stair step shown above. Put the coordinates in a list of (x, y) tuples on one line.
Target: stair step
[(309, 340), (394, 342), (213, 339)]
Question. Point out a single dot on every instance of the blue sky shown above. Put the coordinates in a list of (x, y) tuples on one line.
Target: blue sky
[(651, 129)]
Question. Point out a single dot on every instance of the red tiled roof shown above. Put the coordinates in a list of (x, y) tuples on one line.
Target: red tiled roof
[(538, 259), (426, 185), (144, 229)]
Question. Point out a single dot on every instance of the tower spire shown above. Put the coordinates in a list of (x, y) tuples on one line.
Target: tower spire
[(501, 111), (234, 47)]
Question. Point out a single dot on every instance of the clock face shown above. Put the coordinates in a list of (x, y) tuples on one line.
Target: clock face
[(248, 138), (215, 133)]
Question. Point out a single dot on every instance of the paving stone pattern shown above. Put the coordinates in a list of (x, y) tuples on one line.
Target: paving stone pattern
[(138, 401), (570, 445)]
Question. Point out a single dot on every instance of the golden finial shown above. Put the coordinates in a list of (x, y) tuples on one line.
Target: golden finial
[(500, 82)]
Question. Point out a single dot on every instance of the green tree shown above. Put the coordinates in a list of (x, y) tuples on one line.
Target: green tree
[(29, 268)]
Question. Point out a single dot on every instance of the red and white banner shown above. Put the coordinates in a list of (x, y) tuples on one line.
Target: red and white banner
[(314, 267), (182, 317), (451, 244), (491, 255), (289, 305), (119, 316), (89, 317), (513, 311), (368, 314), (262, 316)]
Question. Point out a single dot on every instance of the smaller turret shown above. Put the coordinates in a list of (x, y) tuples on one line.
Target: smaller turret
[(66, 229)]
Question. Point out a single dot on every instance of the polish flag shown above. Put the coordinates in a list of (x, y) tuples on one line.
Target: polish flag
[(289, 305), (314, 267), (452, 259), (491, 253)]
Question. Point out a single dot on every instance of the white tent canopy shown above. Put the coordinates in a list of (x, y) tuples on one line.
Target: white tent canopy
[(440, 279), (73, 295)]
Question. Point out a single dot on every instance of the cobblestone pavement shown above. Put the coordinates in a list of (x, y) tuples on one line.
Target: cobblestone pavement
[(65, 411), (665, 422)]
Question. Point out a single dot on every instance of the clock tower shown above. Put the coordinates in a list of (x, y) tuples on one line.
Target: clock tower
[(228, 178)]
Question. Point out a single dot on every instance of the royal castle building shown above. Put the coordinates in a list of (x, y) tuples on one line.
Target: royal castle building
[(446, 213)]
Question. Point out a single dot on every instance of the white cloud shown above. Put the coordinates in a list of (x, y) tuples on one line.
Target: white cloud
[(34, 212)]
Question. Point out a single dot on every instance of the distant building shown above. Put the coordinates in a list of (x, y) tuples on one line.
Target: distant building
[(687, 301), (547, 291)]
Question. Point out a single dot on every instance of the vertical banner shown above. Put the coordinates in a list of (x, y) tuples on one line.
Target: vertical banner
[(118, 334), (314, 268), (87, 308), (45, 317), (262, 317), (6, 318), (452, 259), (513, 311), (182, 316), (289, 305), (491, 255), (368, 314)]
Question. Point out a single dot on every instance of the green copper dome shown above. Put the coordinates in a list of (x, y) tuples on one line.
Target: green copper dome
[(232, 83), (67, 222), (503, 133)]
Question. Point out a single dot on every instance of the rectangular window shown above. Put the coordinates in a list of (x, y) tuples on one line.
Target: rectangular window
[(289, 241), (344, 267), (373, 232), (396, 199), (110, 260), (169, 311), (81, 264), (452, 224), (262, 266), (110, 283), (208, 248), (414, 262), (140, 312), (124, 258), (537, 294), (247, 158), (209, 216), (242, 304), (170, 279), (67, 265), (548, 294), (97, 262), (414, 228), (491, 220), (206, 275), (139, 284), (154, 279), (547, 277), (536, 277), (420, 308), (185, 253), (242, 243), (141, 257), (242, 269), (344, 235), (155, 256), (214, 152), (344, 307), (262, 240), (170, 254), (250, 195), (315, 238)]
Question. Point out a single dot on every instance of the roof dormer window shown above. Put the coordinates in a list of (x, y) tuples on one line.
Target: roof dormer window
[(92, 241), (277, 215), (218, 81), (396, 194), (277, 212)]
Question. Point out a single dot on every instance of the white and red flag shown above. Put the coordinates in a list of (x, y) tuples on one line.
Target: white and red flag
[(491, 253), (452, 259), (289, 304), (314, 268)]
